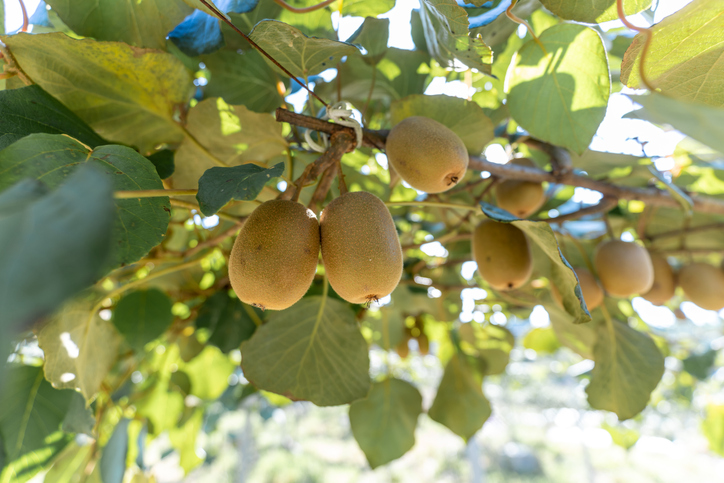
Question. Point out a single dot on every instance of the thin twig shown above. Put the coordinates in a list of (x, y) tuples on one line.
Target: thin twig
[(228, 22), (323, 187), (12, 65), (231, 231), (127, 195), (606, 204), (26, 21), (509, 13), (693, 229)]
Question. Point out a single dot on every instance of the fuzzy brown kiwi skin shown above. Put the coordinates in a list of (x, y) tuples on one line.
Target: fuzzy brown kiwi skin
[(428, 155), (503, 254), (624, 268), (274, 258), (360, 248)]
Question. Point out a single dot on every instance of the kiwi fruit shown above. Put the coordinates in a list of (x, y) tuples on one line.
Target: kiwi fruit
[(503, 255), (624, 268), (274, 258), (703, 284), (521, 198), (424, 344), (590, 289), (426, 154), (664, 281), (360, 248)]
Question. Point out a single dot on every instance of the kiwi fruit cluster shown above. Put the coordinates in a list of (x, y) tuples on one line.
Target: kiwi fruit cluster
[(274, 258), (429, 156), (417, 332)]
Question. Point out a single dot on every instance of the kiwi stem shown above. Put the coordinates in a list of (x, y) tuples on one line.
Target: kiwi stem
[(192, 206), (609, 229), (318, 6), (647, 43), (12, 65), (509, 13)]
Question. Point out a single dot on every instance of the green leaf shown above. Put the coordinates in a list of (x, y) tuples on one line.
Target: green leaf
[(140, 224), (143, 315), (562, 274), (126, 94), (69, 465), (560, 97), (31, 413), (303, 56), (312, 351), (164, 163), (580, 338), (460, 403), (464, 118), (628, 368), (37, 275), (113, 458), (372, 35), (218, 186), (184, 440), (209, 373), (80, 348), (384, 422), (698, 365), (79, 418), (225, 135), (696, 120), (684, 59), (593, 11), (242, 78), (365, 8), (202, 7), (229, 321), (621, 435), (143, 24), (543, 340), (713, 428), (30, 109), (445, 25), (2, 31)]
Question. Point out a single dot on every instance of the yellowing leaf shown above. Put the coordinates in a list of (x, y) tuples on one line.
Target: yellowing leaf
[(80, 348), (127, 94), (560, 96), (685, 56), (225, 135)]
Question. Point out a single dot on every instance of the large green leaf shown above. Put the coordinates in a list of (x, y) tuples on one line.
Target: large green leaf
[(460, 403), (183, 439), (464, 118), (311, 351), (243, 78), (699, 365), (384, 422), (445, 25), (80, 348), (31, 413), (303, 56), (593, 11), (143, 315), (372, 36), (140, 224), (628, 368), (128, 95), (143, 24), (580, 338), (113, 458), (561, 274), (69, 465), (31, 110), (684, 59), (229, 321), (209, 373), (218, 186), (699, 121), (225, 135), (713, 428), (51, 245), (560, 96), (364, 8)]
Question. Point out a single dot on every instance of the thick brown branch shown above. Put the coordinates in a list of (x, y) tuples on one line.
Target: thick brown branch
[(372, 139), (323, 187)]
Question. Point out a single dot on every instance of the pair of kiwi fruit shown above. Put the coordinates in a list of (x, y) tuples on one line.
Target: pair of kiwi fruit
[(274, 258)]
